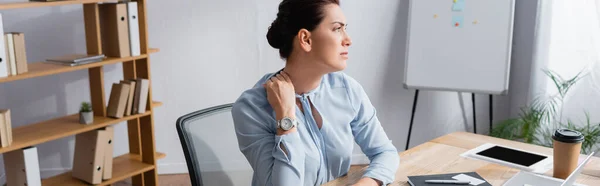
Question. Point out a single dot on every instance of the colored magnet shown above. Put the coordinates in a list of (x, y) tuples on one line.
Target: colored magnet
[(459, 5), (457, 21), (435, 16), (475, 22)]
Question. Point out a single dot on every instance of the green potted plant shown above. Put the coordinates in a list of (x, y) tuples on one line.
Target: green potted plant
[(86, 114), (538, 120)]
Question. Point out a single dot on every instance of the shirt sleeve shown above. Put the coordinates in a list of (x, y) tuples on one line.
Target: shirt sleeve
[(370, 136), (257, 139)]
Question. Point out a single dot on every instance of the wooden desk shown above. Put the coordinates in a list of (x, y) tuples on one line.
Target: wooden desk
[(442, 155)]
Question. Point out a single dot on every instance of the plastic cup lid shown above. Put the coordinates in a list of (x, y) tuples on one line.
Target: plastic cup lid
[(568, 136)]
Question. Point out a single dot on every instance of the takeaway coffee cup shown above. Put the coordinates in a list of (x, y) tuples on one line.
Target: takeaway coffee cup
[(567, 146)]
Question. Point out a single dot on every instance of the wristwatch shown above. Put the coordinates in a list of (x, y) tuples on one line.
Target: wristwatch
[(286, 123)]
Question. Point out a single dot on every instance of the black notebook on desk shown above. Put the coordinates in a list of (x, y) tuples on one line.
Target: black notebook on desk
[(420, 180)]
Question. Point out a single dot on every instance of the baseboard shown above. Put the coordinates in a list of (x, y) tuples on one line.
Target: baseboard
[(172, 168)]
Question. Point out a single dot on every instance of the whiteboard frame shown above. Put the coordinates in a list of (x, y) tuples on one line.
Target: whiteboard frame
[(508, 57)]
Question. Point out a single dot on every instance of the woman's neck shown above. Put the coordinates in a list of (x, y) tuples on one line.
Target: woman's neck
[(304, 77)]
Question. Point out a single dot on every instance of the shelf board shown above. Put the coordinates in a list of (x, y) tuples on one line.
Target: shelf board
[(32, 4), (153, 50), (39, 69), (33, 134), (156, 104), (160, 155), (124, 166)]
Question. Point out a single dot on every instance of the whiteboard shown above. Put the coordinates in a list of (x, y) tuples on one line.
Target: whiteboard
[(472, 57)]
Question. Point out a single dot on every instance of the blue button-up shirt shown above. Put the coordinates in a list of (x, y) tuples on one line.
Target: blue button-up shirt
[(313, 156)]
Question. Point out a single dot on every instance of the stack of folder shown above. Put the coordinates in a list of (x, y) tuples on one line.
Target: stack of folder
[(128, 97), (75, 59), (5, 128), (120, 29), (13, 58), (93, 156)]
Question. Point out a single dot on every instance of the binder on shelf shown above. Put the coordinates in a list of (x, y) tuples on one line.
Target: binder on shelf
[(114, 28), (88, 159), (6, 52), (20, 52), (10, 54), (4, 68), (3, 133), (8, 126), (117, 100), (134, 28), (5, 128), (22, 167), (108, 153), (16, 57), (141, 95), (129, 107)]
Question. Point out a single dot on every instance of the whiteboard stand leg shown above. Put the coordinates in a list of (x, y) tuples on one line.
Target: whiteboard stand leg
[(412, 117), (491, 114), (474, 117)]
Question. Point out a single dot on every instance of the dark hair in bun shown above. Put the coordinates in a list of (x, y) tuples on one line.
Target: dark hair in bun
[(294, 15)]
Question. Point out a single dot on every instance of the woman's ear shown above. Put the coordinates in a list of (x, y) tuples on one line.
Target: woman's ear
[(305, 40)]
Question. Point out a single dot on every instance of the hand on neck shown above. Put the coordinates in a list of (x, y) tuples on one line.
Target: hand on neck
[(304, 77)]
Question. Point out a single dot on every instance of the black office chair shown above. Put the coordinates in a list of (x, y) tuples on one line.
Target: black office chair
[(188, 127)]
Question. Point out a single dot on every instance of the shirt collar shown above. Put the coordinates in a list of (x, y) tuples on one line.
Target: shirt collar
[(310, 93)]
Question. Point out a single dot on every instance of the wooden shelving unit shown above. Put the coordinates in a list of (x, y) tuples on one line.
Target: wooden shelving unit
[(140, 163)]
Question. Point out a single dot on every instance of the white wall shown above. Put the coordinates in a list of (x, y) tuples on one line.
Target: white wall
[(213, 50)]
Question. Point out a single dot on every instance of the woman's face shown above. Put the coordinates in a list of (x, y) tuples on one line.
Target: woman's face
[(330, 41)]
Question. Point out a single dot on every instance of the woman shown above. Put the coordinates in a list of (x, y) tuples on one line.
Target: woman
[(296, 126)]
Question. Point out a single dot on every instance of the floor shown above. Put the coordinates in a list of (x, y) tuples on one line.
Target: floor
[(169, 180), (220, 178)]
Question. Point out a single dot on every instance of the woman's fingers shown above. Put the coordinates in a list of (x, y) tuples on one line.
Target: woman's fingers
[(280, 77), (286, 76)]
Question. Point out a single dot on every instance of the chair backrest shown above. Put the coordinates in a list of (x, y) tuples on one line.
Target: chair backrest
[(204, 132)]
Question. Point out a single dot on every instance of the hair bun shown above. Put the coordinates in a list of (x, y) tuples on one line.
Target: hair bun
[(292, 16), (275, 34)]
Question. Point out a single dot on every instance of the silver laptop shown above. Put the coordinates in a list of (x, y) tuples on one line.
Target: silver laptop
[(524, 178)]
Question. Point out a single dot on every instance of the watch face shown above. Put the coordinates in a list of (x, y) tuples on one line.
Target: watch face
[(286, 124)]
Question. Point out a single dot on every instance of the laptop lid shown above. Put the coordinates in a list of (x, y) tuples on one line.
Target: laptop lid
[(571, 179)]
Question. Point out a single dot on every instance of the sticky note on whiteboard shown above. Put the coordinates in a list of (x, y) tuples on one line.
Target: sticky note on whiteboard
[(457, 21), (458, 5)]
